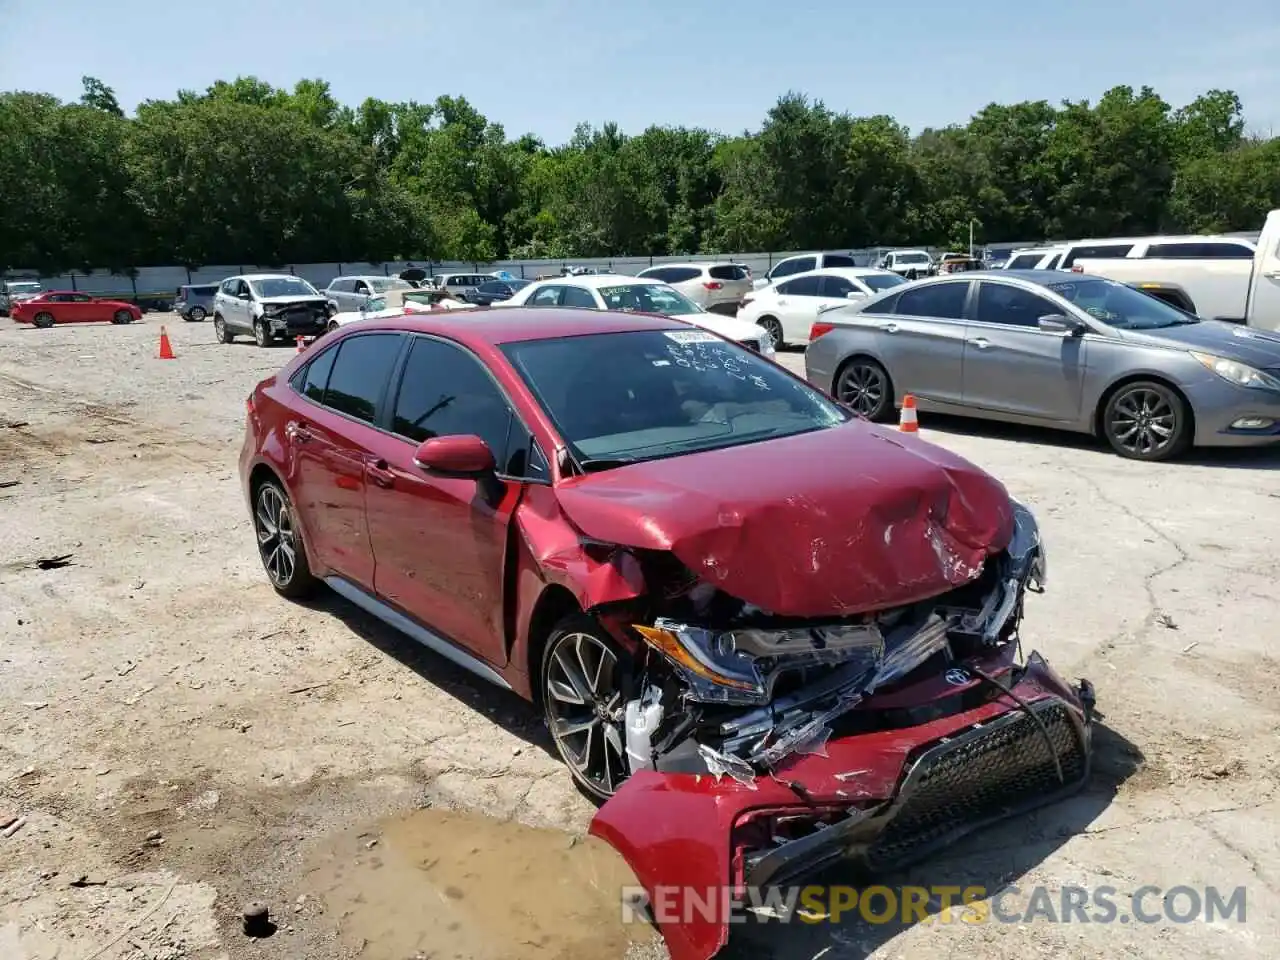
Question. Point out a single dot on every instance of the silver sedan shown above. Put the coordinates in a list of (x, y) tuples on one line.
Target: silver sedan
[(1054, 349)]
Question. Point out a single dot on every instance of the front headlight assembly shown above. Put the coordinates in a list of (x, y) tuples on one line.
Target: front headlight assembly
[(1027, 548), (1241, 374)]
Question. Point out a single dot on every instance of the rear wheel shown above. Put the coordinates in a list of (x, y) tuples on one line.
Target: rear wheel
[(196, 314), (280, 542), (864, 385), (774, 329), (220, 329), (43, 320), (582, 701), (1147, 420)]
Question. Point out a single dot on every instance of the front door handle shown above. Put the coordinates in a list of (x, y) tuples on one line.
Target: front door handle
[(890, 328), (981, 342), (1271, 274), (380, 474), (298, 432)]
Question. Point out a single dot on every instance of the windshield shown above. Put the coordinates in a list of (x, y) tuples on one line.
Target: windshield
[(911, 257), (378, 285), (620, 398), (283, 287), (24, 288), (1120, 306), (648, 298), (878, 281), (375, 303)]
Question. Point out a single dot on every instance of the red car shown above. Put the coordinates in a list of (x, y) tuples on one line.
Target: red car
[(768, 633), (65, 306)]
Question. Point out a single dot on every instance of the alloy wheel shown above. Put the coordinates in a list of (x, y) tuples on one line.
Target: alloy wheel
[(123, 316), (277, 539), (260, 333), (1143, 422), (585, 711), (198, 314), (864, 387), (774, 329)]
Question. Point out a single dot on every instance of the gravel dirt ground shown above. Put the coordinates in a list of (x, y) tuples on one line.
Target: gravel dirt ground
[(180, 741)]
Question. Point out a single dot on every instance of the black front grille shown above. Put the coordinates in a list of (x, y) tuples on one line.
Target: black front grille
[(984, 775)]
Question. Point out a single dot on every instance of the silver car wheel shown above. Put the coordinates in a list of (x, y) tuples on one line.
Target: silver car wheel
[(197, 314), (1143, 422), (585, 711), (277, 541), (774, 329), (863, 386)]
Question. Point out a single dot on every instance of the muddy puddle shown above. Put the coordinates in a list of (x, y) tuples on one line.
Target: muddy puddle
[(454, 885)]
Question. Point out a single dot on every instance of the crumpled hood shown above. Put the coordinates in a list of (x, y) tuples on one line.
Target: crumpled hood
[(830, 523), (1257, 348), (301, 299)]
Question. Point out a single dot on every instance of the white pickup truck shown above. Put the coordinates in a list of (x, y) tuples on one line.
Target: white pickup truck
[(1217, 278)]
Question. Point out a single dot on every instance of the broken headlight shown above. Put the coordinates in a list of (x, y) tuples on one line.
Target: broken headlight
[(739, 666), (1026, 548)]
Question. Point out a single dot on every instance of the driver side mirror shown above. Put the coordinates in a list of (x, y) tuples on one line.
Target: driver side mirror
[(460, 455), (1060, 323)]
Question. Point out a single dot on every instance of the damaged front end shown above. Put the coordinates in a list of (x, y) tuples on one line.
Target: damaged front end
[(764, 748)]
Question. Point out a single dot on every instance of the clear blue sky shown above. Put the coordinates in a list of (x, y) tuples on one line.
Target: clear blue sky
[(542, 66)]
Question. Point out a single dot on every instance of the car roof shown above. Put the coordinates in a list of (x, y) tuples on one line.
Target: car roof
[(594, 281), (842, 272), (489, 326), (266, 276)]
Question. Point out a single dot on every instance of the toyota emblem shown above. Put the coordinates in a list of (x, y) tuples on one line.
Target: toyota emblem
[(957, 677)]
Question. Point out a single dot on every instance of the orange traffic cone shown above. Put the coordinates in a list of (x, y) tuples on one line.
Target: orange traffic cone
[(907, 422), (166, 348)]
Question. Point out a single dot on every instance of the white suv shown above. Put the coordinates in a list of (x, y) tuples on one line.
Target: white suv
[(803, 264), (716, 287)]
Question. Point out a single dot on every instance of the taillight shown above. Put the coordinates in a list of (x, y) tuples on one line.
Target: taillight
[(820, 329), (713, 285), (248, 405), (1077, 269)]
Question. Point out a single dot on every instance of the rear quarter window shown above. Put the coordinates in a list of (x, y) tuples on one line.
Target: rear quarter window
[(837, 260), (728, 271), (1100, 251), (679, 274)]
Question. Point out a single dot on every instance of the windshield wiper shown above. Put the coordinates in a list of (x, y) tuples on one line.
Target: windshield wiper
[(591, 464)]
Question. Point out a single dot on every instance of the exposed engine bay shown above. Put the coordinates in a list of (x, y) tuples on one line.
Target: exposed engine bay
[(731, 690)]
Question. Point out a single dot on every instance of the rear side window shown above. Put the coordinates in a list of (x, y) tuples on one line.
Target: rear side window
[(1025, 261), (360, 374), (727, 271), (942, 301), (837, 260), (316, 377), (677, 274), (1201, 250), (1099, 251), (800, 287)]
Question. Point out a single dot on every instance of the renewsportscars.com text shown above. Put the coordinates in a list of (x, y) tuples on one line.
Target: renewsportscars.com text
[(1147, 904)]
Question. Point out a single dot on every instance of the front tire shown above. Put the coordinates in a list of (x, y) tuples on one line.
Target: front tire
[(583, 678), (43, 320), (864, 385), (260, 335), (221, 330), (280, 546), (122, 317), (1147, 420)]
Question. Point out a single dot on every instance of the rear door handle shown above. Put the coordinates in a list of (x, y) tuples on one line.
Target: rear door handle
[(1271, 274), (380, 474), (890, 328), (981, 342)]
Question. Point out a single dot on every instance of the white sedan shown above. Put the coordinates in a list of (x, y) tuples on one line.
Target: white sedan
[(610, 292), (788, 309), (395, 302)]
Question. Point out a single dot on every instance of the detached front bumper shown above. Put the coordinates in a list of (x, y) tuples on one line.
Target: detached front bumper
[(876, 801)]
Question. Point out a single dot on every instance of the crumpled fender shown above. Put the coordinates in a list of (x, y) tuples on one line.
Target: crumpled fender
[(671, 833), (594, 575), (830, 523)]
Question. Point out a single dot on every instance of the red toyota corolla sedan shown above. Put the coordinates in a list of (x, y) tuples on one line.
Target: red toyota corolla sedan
[(65, 306), (768, 633)]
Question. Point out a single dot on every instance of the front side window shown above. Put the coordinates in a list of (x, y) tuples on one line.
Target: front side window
[(624, 397), (361, 373), (390, 283), (578, 297), (546, 297), (283, 287), (941, 301), (1102, 251), (1120, 306), (1011, 306), (1025, 261), (796, 265), (446, 392), (648, 298), (838, 287)]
